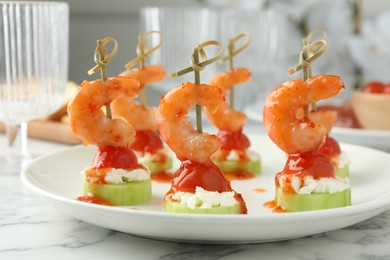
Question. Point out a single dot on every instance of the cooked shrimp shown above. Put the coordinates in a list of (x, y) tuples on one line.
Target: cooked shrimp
[(284, 117), (87, 120), (226, 80), (146, 75), (177, 131), (326, 118), (225, 117), (140, 116)]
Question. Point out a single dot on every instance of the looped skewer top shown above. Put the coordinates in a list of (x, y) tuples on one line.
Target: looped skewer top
[(231, 52), (310, 51), (196, 65), (142, 51), (231, 49), (102, 57)]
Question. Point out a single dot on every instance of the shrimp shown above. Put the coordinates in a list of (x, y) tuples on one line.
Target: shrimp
[(284, 118), (146, 75), (87, 120), (139, 116), (225, 117), (178, 132), (227, 80), (327, 118)]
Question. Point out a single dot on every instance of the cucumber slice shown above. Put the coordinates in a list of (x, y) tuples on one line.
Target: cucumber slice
[(176, 207), (154, 167), (315, 201), (123, 194), (231, 166), (343, 172)]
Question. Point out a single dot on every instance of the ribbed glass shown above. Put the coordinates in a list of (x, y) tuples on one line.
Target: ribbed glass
[(33, 70), (33, 59)]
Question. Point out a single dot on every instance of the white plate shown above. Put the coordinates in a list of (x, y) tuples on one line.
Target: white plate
[(57, 179), (370, 138)]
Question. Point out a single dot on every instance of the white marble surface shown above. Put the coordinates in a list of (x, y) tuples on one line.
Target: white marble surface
[(32, 229)]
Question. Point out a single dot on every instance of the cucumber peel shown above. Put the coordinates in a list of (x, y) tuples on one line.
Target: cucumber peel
[(177, 207), (315, 201), (123, 194), (155, 167), (343, 172), (230, 166)]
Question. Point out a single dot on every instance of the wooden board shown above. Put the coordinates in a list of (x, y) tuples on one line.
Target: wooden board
[(50, 131)]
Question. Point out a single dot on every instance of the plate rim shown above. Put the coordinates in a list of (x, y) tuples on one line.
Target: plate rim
[(380, 202)]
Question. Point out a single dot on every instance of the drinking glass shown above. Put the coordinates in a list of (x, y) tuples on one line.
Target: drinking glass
[(268, 56), (182, 28), (33, 71)]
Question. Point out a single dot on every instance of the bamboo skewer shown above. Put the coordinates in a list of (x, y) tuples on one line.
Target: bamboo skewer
[(102, 58), (231, 52), (310, 52), (142, 53), (197, 66)]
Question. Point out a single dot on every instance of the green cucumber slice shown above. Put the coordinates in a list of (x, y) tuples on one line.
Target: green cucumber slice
[(315, 201), (176, 207), (155, 167), (123, 194), (343, 172), (229, 166)]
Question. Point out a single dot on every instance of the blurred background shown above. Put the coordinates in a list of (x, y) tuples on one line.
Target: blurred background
[(276, 36)]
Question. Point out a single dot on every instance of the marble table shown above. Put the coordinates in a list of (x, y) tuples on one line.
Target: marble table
[(32, 229)]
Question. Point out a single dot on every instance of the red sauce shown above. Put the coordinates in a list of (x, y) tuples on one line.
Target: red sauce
[(233, 140), (278, 209), (260, 190), (162, 176), (208, 176), (108, 157), (311, 163), (275, 208), (330, 147), (270, 204), (239, 175), (114, 157), (147, 141), (94, 200), (193, 174)]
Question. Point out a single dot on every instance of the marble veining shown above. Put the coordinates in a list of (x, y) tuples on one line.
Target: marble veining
[(30, 228)]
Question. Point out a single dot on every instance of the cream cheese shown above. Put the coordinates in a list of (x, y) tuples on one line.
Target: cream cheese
[(205, 199), (150, 157), (117, 176), (321, 185)]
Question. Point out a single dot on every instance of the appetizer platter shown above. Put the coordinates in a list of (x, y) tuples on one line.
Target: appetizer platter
[(370, 196), (211, 189)]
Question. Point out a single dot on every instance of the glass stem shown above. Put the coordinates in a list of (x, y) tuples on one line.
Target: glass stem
[(16, 138)]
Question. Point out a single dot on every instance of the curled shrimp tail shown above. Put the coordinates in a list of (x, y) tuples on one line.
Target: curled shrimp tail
[(226, 80), (139, 116), (284, 117), (87, 120), (146, 75), (225, 118), (327, 118), (175, 129)]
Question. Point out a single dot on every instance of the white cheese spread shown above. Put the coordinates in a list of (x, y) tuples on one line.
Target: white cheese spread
[(117, 176), (205, 199), (321, 185), (150, 157)]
